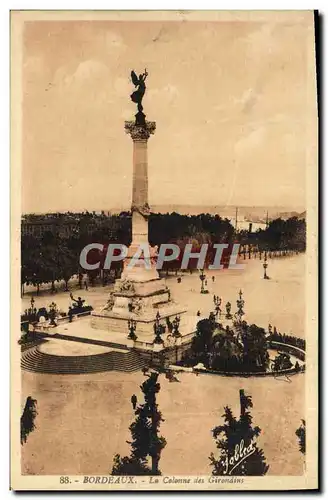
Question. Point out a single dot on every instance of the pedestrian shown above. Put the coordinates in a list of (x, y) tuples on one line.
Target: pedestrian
[(198, 313), (70, 314), (86, 285), (213, 278), (134, 401)]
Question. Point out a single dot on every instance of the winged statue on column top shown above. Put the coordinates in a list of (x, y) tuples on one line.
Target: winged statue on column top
[(138, 94)]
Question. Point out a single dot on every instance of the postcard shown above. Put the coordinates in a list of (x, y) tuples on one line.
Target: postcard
[(164, 324)]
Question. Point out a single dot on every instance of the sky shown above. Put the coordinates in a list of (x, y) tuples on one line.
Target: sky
[(229, 100)]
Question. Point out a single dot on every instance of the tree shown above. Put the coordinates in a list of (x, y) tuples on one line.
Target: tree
[(255, 355), (27, 418), (67, 263), (32, 263), (146, 443), (283, 234), (202, 340), (300, 433), (281, 362), (50, 256), (243, 348), (239, 453), (227, 352), (202, 343)]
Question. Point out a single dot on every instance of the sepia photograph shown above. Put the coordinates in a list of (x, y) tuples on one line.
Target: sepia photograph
[(164, 324)]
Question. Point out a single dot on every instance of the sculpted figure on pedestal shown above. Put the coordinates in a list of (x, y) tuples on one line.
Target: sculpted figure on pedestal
[(127, 286)]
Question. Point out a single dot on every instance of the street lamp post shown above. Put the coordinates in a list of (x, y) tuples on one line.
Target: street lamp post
[(31, 312), (240, 306), (176, 335), (265, 266), (202, 278), (217, 303), (158, 330), (53, 313)]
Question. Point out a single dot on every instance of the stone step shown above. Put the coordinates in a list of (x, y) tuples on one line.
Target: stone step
[(32, 343), (36, 361)]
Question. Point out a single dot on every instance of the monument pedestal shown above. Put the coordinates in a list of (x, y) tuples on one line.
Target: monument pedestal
[(140, 301), (140, 296)]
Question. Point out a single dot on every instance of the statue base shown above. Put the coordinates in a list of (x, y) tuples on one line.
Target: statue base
[(140, 119), (141, 296), (140, 301)]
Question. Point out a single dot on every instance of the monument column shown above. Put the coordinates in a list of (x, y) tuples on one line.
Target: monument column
[(140, 295), (140, 208), (140, 133)]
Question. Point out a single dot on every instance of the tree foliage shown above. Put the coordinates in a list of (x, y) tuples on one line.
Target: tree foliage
[(239, 454), (222, 349), (282, 234), (146, 444), (171, 227), (255, 351), (282, 362), (27, 418), (300, 433), (54, 255)]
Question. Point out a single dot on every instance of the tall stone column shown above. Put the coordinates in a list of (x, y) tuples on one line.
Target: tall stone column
[(140, 295), (140, 208)]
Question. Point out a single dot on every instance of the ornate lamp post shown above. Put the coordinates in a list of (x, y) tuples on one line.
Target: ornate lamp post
[(176, 335), (31, 312), (52, 313), (202, 278), (265, 266), (240, 306), (158, 330), (217, 304), (132, 325), (174, 338)]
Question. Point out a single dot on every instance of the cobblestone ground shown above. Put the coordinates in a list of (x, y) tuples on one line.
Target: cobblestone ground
[(83, 420)]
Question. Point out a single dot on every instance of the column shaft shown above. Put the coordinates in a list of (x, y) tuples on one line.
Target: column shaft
[(139, 192), (140, 174)]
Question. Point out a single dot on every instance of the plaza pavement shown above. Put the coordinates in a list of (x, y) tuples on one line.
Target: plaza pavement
[(279, 301), (83, 420)]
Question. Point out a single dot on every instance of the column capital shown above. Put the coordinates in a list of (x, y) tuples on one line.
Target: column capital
[(140, 132)]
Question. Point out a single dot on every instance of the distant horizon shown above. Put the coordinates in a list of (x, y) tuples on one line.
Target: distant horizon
[(183, 208)]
